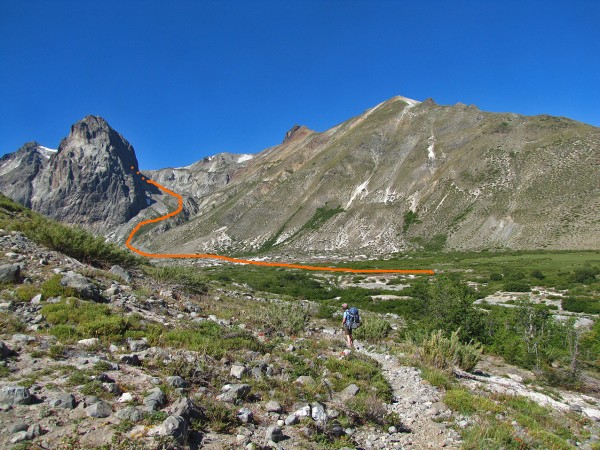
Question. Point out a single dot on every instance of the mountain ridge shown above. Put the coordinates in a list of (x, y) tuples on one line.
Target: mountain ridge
[(402, 175)]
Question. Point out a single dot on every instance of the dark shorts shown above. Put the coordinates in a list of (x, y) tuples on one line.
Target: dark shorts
[(347, 331)]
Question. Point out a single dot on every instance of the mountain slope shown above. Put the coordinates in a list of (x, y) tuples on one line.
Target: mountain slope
[(405, 174)]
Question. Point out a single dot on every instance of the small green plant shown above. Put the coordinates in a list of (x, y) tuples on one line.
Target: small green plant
[(57, 351), (368, 408), (289, 317), (219, 417)]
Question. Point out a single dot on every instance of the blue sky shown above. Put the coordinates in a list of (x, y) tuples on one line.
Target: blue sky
[(185, 79)]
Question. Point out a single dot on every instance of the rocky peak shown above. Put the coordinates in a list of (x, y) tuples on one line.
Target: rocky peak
[(297, 131), (90, 181)]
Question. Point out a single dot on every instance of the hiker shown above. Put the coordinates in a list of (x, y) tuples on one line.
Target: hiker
[(350, 320)]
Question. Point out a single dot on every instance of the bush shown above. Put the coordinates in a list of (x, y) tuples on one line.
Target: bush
[(443, 353), (517, 286), (52, 288), (537, 273), (289, 317), (373, 330), (581, 305), (26, 292), (370, 409), (495, 276), (585, 275)]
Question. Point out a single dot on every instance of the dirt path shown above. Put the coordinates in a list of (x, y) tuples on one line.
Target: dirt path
[(418, 404)]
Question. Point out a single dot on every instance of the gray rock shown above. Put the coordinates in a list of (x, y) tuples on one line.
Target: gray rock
[(274, 434), (245, 415), (22, 338), (89, 342), (234, 392), (155, 400), (36, 300), (237, 371), (99, 410), (302, 410), (256, 373), (82, 285), (34, 431), (349, 392), (177, 382), (273, 406), (132, 360), (318, 413), (137, 345), (15, 395), (173, 426), (121, 273), (186, 408), (130, 413), (337, 431), (304, 379), (65, 401), (19, 437), (5, 351), (90, 400), (292, 419), (21, 426), (10, 273)]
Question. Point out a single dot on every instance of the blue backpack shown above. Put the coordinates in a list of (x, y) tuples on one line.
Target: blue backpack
[(353, 318)]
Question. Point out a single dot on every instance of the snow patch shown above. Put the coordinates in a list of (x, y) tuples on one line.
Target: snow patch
[(431, 148), (45, 151), (440, 203), (358, 191), (245, 157)]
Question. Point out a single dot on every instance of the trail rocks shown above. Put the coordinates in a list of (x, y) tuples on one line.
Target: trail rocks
[(238, 371), (177, 382), (273, 406), (15, 395), (130, 413)]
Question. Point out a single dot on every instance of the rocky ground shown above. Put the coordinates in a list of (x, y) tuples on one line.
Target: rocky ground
[(130, 393)]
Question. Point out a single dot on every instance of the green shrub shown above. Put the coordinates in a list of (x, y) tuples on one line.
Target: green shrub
[(373, 330), (465, 402), (517, 286), (362, 371), (211, 339), (26, 292), (495, 276), (218, 416), (585, 275), (289, 317), (581, 305), (445, 353), (52, 288), (537, 273)]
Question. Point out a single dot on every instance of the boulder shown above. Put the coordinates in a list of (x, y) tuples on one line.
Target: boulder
[(185, 408), (64, 401), (302, 410), (273, 406), (34, 431), (318, 413), (81, 285), (177, 382), (155, 400), (91, 342), (175, 427), (10, 273), (137, 345), (237, 371), (130, 413), (99, 410), (304, 379), (234, 392), (15, 395), (274, 434), (292, 419), (245, 415), (36, 300), (132, 360), (350, 391), (5, 351)]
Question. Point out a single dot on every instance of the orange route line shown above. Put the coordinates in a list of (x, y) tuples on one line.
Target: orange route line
[(242, 261)]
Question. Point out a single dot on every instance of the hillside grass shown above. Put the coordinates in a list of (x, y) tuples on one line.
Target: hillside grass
[(72, 241)]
